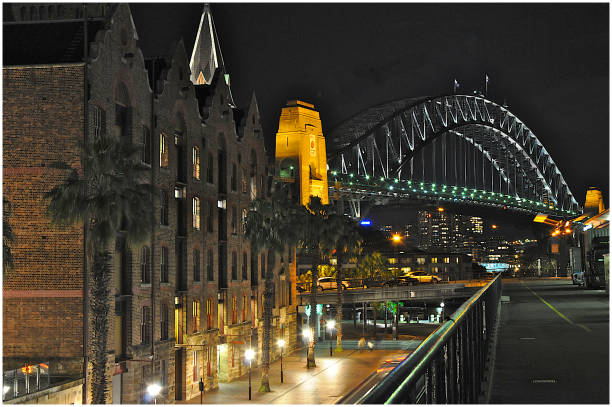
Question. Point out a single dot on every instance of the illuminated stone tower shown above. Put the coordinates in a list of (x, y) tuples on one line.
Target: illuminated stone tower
[(300, 151)]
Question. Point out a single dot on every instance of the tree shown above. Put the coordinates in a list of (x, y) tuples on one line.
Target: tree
[(347, 243), (373, 265), (271, 225), (110, 196), (315, 238), (8, 237)]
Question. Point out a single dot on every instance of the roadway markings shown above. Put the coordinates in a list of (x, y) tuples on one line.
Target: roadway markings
[(539, 381), (557, 311)]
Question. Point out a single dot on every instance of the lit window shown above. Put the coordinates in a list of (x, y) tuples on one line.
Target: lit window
[(196, 212), (196, 315), (244, 308), (434, 259), (446, 260), (163, 150), (392, 260), (196, 365), (234, 309), (209, 314), (196, 162), (420, 260)]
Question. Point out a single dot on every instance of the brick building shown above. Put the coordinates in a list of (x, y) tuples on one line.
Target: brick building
[(188, 302)]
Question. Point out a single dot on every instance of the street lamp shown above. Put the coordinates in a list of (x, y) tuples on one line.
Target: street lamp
[(442, 306), (281, 344), (153, 390), (330, 325), (307, 334), (249, 354)]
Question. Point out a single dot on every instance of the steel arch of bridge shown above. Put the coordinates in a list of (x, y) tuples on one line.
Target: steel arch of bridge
[(381, 141)]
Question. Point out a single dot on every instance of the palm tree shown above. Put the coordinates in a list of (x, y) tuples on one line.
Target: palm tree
[(110, 196), (8, 238), (315, 239), (346, 241), (270, 225)]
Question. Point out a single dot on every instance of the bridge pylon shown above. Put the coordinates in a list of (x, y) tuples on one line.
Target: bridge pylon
[(301, 157)]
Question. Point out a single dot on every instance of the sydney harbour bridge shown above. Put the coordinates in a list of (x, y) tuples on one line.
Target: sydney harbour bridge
[(455, 148)]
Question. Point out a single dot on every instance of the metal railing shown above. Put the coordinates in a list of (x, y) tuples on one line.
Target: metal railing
[(25, 380), (449, 366)]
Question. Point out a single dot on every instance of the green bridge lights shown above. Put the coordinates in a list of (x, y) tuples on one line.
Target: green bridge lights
[(443, 192)]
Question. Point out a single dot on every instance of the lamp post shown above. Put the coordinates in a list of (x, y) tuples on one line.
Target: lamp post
[(330, 325), (307, 334), (249, 354), (281, 344), (153, 390), (442, 306)]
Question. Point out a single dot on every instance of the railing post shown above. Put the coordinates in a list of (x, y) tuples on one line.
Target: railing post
[(428, 385)]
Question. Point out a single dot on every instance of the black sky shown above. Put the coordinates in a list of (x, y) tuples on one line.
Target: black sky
[(549, 62)]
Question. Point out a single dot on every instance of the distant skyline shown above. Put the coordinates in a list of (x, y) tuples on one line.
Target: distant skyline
[(548, 62)]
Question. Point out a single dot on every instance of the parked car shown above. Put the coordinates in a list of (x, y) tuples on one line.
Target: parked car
[(372, 282), (401, 281), (329, 283), (423, 277), (578, 278)]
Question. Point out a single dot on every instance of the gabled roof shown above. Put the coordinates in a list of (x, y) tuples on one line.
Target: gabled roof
[(46, 42)]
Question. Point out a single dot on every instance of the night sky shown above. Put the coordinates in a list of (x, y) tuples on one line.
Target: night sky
[(548, 62)]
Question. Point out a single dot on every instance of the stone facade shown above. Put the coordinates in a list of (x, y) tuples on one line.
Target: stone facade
[(187, 303)]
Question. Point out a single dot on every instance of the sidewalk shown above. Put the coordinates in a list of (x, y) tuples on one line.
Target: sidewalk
[(331, 379)]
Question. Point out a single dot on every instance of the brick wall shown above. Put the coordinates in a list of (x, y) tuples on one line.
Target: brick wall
[(42, 124)]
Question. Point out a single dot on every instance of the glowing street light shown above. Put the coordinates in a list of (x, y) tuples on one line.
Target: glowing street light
[(249, 354), (397, 238), (281, 345), (440, 209), (153, 390), (330, 326)]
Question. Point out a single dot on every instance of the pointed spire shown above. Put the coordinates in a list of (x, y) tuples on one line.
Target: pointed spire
[(206, 57), (204, 60)]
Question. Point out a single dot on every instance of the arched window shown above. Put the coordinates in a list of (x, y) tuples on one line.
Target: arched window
[(210, 267), (209, 170), (145, 265), (196, 162), (163, 208), (163, 265), (233, 179)]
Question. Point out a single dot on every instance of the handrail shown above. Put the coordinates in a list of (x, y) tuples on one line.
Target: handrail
[(396, 386)]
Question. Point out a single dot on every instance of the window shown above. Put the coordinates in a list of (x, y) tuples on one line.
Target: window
[(163, 265), (145, 152), (163, 208), (196, 315), (210, 266), (163, 150), (196, 365), (211, 217), (244, 183), (145, 265), (244, 266), (420, 260), (234, 309), (446, 260), (196, 212), (98, 122), (163, 322), (434, 259), (196, 265), (209, 313), (234, 266), (234, 228), (244, 307), (145, 325), (209, 170), (196, 162), (233, 180)]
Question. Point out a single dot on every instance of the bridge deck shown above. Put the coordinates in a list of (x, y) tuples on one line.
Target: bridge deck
[(423, 291)]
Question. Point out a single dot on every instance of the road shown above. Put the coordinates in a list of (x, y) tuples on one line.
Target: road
[(553, 344)]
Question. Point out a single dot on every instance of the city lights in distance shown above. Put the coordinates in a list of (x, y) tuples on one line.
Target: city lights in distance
[(365, 222)]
